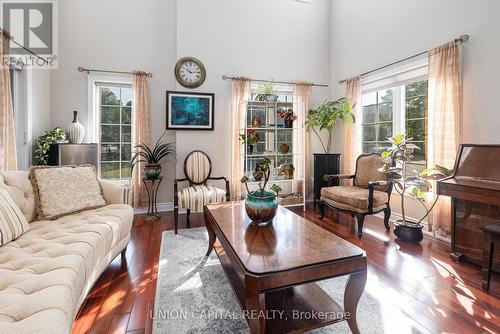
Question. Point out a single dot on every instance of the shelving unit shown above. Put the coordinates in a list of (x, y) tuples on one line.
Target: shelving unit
[(273, 135)]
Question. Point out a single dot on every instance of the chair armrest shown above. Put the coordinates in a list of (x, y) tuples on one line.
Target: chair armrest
[(176, 197), (228, 196), (114, 193), (333, 177), (377, 183), (371, 185)]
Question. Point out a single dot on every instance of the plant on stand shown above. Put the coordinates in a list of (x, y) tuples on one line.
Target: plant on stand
[(250, 138), (288, 117), (266, 92), (152, 157), (43, 143), (261, 205), (413, 183), (326, 115)]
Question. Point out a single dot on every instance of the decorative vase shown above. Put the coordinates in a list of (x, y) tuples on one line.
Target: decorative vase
[(261, 206), (284, 148), (76, 131), (249, 149), (288, 123), (408, 233), (287, 170), (152, 171), (256, 122)]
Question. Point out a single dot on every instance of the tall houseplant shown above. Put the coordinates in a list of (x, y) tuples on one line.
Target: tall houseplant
[(152, 156), (412, 183), (326, 115)]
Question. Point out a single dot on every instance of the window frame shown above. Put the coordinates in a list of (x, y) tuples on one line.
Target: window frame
[(94, 122)]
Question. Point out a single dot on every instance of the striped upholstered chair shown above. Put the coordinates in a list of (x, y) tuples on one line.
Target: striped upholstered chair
[(197, 171)]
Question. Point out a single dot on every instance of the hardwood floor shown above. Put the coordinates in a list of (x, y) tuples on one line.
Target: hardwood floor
[(417, 287)]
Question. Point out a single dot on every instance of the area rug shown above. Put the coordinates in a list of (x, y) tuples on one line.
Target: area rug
[(194, 296)]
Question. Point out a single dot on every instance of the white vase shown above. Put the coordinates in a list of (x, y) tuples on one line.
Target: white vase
[(76, 131)]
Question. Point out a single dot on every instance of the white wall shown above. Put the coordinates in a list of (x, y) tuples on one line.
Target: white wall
[(279, 39), (366, 34)]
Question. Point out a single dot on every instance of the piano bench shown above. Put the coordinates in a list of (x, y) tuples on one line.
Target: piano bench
[(491, 236)]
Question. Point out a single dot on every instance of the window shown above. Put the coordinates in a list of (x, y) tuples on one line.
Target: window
[(115, 110), (394, 110)]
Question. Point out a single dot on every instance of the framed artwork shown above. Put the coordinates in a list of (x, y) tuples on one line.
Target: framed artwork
[(190, 111)]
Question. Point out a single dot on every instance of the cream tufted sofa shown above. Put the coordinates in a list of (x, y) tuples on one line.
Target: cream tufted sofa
[(46, 273)]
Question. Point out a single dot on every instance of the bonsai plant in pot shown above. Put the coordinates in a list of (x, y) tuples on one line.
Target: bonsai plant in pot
[(261, 205), (43, 143), (288, 117), (266, 92), (152, 157), (413, 183), (250, 138)]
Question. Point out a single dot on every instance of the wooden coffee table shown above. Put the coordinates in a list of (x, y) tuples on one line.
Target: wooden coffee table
[(273, 269)]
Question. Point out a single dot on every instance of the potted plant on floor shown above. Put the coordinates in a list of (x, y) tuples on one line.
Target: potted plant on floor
[(288, 117), (261, 205), (413, 183), (266, 92), (43, 143), (250, 138), (152, 157)]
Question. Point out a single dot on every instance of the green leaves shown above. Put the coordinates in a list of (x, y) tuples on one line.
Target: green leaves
[(44, 141)]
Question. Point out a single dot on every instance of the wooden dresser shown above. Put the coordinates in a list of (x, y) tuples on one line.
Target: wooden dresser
[(475, 191)]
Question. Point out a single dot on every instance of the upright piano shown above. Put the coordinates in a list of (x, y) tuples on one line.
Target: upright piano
[(475, 191)]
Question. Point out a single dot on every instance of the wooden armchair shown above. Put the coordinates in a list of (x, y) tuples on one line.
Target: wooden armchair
[(197, 171), (369, 194)]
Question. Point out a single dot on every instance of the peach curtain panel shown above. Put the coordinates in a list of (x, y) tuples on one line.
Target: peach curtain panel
[(352, 132), (8, 159), (445, 119), (140, 132), (301, 101), (241, 91)]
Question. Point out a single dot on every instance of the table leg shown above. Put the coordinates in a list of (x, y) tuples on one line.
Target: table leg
[(211, 238), (353, 291), (255, 305)]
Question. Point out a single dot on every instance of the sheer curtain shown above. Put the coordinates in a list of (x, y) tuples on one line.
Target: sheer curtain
[(445, 119), (301, 101), (8, 159), (140, 132), (352, 132), (241, 90)]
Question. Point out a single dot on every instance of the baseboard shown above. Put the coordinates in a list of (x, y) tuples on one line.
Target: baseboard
[(162, 207), (395, 216)]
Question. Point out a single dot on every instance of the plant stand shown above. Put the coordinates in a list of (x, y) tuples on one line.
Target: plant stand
[(152, 186)]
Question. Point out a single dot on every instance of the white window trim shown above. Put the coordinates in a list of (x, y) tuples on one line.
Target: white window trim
[(94, 119)]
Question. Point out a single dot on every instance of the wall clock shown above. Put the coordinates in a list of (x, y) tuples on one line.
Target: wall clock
[(190, 72)]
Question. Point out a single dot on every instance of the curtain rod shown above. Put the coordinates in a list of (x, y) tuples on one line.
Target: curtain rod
[(9, 36), (458, 40), (88, 70), (225, 77)]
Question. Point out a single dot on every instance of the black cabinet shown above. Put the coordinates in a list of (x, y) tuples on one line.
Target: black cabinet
[(324, 164)]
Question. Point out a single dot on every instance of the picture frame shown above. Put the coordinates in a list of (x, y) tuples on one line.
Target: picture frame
[(190, 111)]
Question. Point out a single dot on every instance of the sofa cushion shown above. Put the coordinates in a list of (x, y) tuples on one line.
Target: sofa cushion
[(64, 190), (18, 184), (46, 273), (353, 198), (12, 222)]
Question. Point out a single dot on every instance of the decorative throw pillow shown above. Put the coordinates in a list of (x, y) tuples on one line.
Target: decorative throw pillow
[(65, 190), (13, 224)]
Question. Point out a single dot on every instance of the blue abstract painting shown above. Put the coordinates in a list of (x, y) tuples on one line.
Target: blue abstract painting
[(190, 111)]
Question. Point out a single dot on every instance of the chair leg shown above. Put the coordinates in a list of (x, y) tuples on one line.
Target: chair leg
[(387, 215), (188, 211), (486, 282), (176, 218), (321, 205), (361, 219)]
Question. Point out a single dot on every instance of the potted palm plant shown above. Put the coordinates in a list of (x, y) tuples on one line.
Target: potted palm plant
[(261, 205), (152, 157), (416, 184)]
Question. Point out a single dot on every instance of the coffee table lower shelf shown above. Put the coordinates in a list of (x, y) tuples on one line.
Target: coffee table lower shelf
[(290, 310)]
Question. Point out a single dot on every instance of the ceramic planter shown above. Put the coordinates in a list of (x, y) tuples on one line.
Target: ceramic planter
[(249, 149), (152, 171), (408, 233), (271, 98), (261, 206), (288, 123), (284, 148)]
